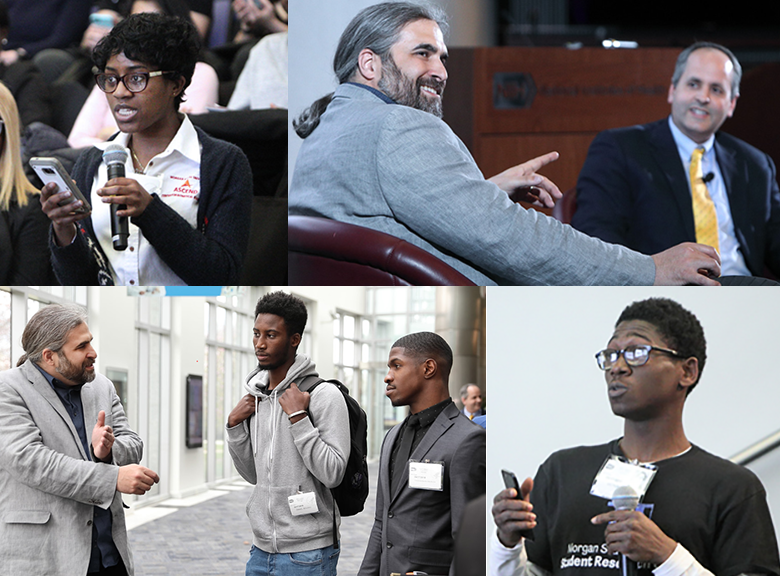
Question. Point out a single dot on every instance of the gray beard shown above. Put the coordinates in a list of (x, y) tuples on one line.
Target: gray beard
[(406, 91), (70, 372)]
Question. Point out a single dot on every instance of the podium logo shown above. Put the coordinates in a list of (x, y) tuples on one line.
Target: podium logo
[(513, 90)]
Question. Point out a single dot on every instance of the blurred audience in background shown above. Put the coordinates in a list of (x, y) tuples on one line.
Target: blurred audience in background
[(24, 228)]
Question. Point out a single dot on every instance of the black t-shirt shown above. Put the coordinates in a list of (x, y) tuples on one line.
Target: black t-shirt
[(716, 509)]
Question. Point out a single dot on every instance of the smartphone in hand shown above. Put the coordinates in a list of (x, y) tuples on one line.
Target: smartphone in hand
[(51, 170)]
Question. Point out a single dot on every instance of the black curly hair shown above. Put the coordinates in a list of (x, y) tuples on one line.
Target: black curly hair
[(291, 309), (163, 42), (679, 328)]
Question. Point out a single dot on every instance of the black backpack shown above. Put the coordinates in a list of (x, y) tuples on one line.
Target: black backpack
[(351, 494)]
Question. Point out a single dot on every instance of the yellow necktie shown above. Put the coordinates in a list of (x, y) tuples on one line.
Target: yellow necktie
[(471, 416), (704, 215)]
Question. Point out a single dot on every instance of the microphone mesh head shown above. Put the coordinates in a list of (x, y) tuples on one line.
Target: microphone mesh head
[(625, 498), (115, 153)]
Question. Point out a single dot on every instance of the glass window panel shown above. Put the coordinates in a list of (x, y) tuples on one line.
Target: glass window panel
[(336, 351), (365, 355), (206, 306), (400, 298), (221, 318), (349, 327), (155, 311), (349, 378), (399, 326), (384, 300), (366, 329), (384, 327), (337, 325), (32, 307), (349, 353)]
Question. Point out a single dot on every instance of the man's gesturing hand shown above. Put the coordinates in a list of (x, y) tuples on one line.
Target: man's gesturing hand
[(523, 184), (513, 515), (102, 437), (135, 479)]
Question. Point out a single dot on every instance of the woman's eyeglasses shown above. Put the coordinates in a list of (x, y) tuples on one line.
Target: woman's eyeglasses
[(133, 81)]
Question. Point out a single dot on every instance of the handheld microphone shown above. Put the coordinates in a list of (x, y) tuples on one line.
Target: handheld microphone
[(626, 498), (115, 156), (708, 177)]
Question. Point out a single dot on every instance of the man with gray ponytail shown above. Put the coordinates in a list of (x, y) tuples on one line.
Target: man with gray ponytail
[(66, 456), (377, 154)]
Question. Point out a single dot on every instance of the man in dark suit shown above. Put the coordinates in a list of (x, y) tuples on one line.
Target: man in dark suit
[(431, 465), (635, 186), (471, 397)]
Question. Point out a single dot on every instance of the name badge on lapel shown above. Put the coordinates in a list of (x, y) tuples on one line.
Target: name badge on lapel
[(426, 475)]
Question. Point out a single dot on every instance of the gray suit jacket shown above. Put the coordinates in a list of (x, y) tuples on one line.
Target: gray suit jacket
[(416, 529), (404, 172), (48, 485)]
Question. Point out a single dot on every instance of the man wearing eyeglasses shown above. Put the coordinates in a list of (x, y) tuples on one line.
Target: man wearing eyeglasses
[(699, 514)]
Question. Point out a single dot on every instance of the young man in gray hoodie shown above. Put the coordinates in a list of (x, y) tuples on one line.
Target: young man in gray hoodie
[(293, 460)]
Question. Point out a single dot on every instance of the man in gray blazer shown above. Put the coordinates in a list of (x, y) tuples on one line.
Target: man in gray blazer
[(431, 465), (65, 456), (376, 154)]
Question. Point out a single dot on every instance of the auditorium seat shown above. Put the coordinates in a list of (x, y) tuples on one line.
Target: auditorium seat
[(330, 253)]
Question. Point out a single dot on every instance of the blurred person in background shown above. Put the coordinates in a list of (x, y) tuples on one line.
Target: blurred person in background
[(40, 24), (263, 81), (24, 81), (24, 229)]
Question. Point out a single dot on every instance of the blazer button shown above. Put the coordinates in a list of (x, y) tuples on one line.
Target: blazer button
[(389, 544), (89, 522), (389, 514)]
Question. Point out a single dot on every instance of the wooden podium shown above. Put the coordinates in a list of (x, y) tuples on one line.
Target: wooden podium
[(511, 104)]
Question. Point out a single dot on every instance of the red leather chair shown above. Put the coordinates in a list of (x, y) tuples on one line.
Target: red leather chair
[(565, 207), (324, 252)]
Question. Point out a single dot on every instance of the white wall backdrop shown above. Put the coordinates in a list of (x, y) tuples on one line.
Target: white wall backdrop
[(545, 392)]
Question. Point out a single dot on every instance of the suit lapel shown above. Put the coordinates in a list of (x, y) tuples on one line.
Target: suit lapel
[(42, 386), (90, 406), (736, 189), (442, 423), (384, 479), (664, 150)]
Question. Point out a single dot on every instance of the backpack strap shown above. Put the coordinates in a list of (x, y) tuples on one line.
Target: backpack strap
[(308, 384)]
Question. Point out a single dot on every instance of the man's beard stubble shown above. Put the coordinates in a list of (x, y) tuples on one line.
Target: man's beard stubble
[(77, 374), (406, 91)]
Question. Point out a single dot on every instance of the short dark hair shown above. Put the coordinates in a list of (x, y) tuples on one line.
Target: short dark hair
[(679, 328), (163, 42), (289, 308), (426, 345)]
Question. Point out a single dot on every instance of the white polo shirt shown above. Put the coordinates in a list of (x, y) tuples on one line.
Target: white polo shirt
[(174, 175)]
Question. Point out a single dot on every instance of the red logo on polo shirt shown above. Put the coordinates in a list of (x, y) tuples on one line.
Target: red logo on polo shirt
[(185, 187)]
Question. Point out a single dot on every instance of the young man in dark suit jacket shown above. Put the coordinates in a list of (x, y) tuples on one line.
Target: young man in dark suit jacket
[(431, 466), (634, 188)]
